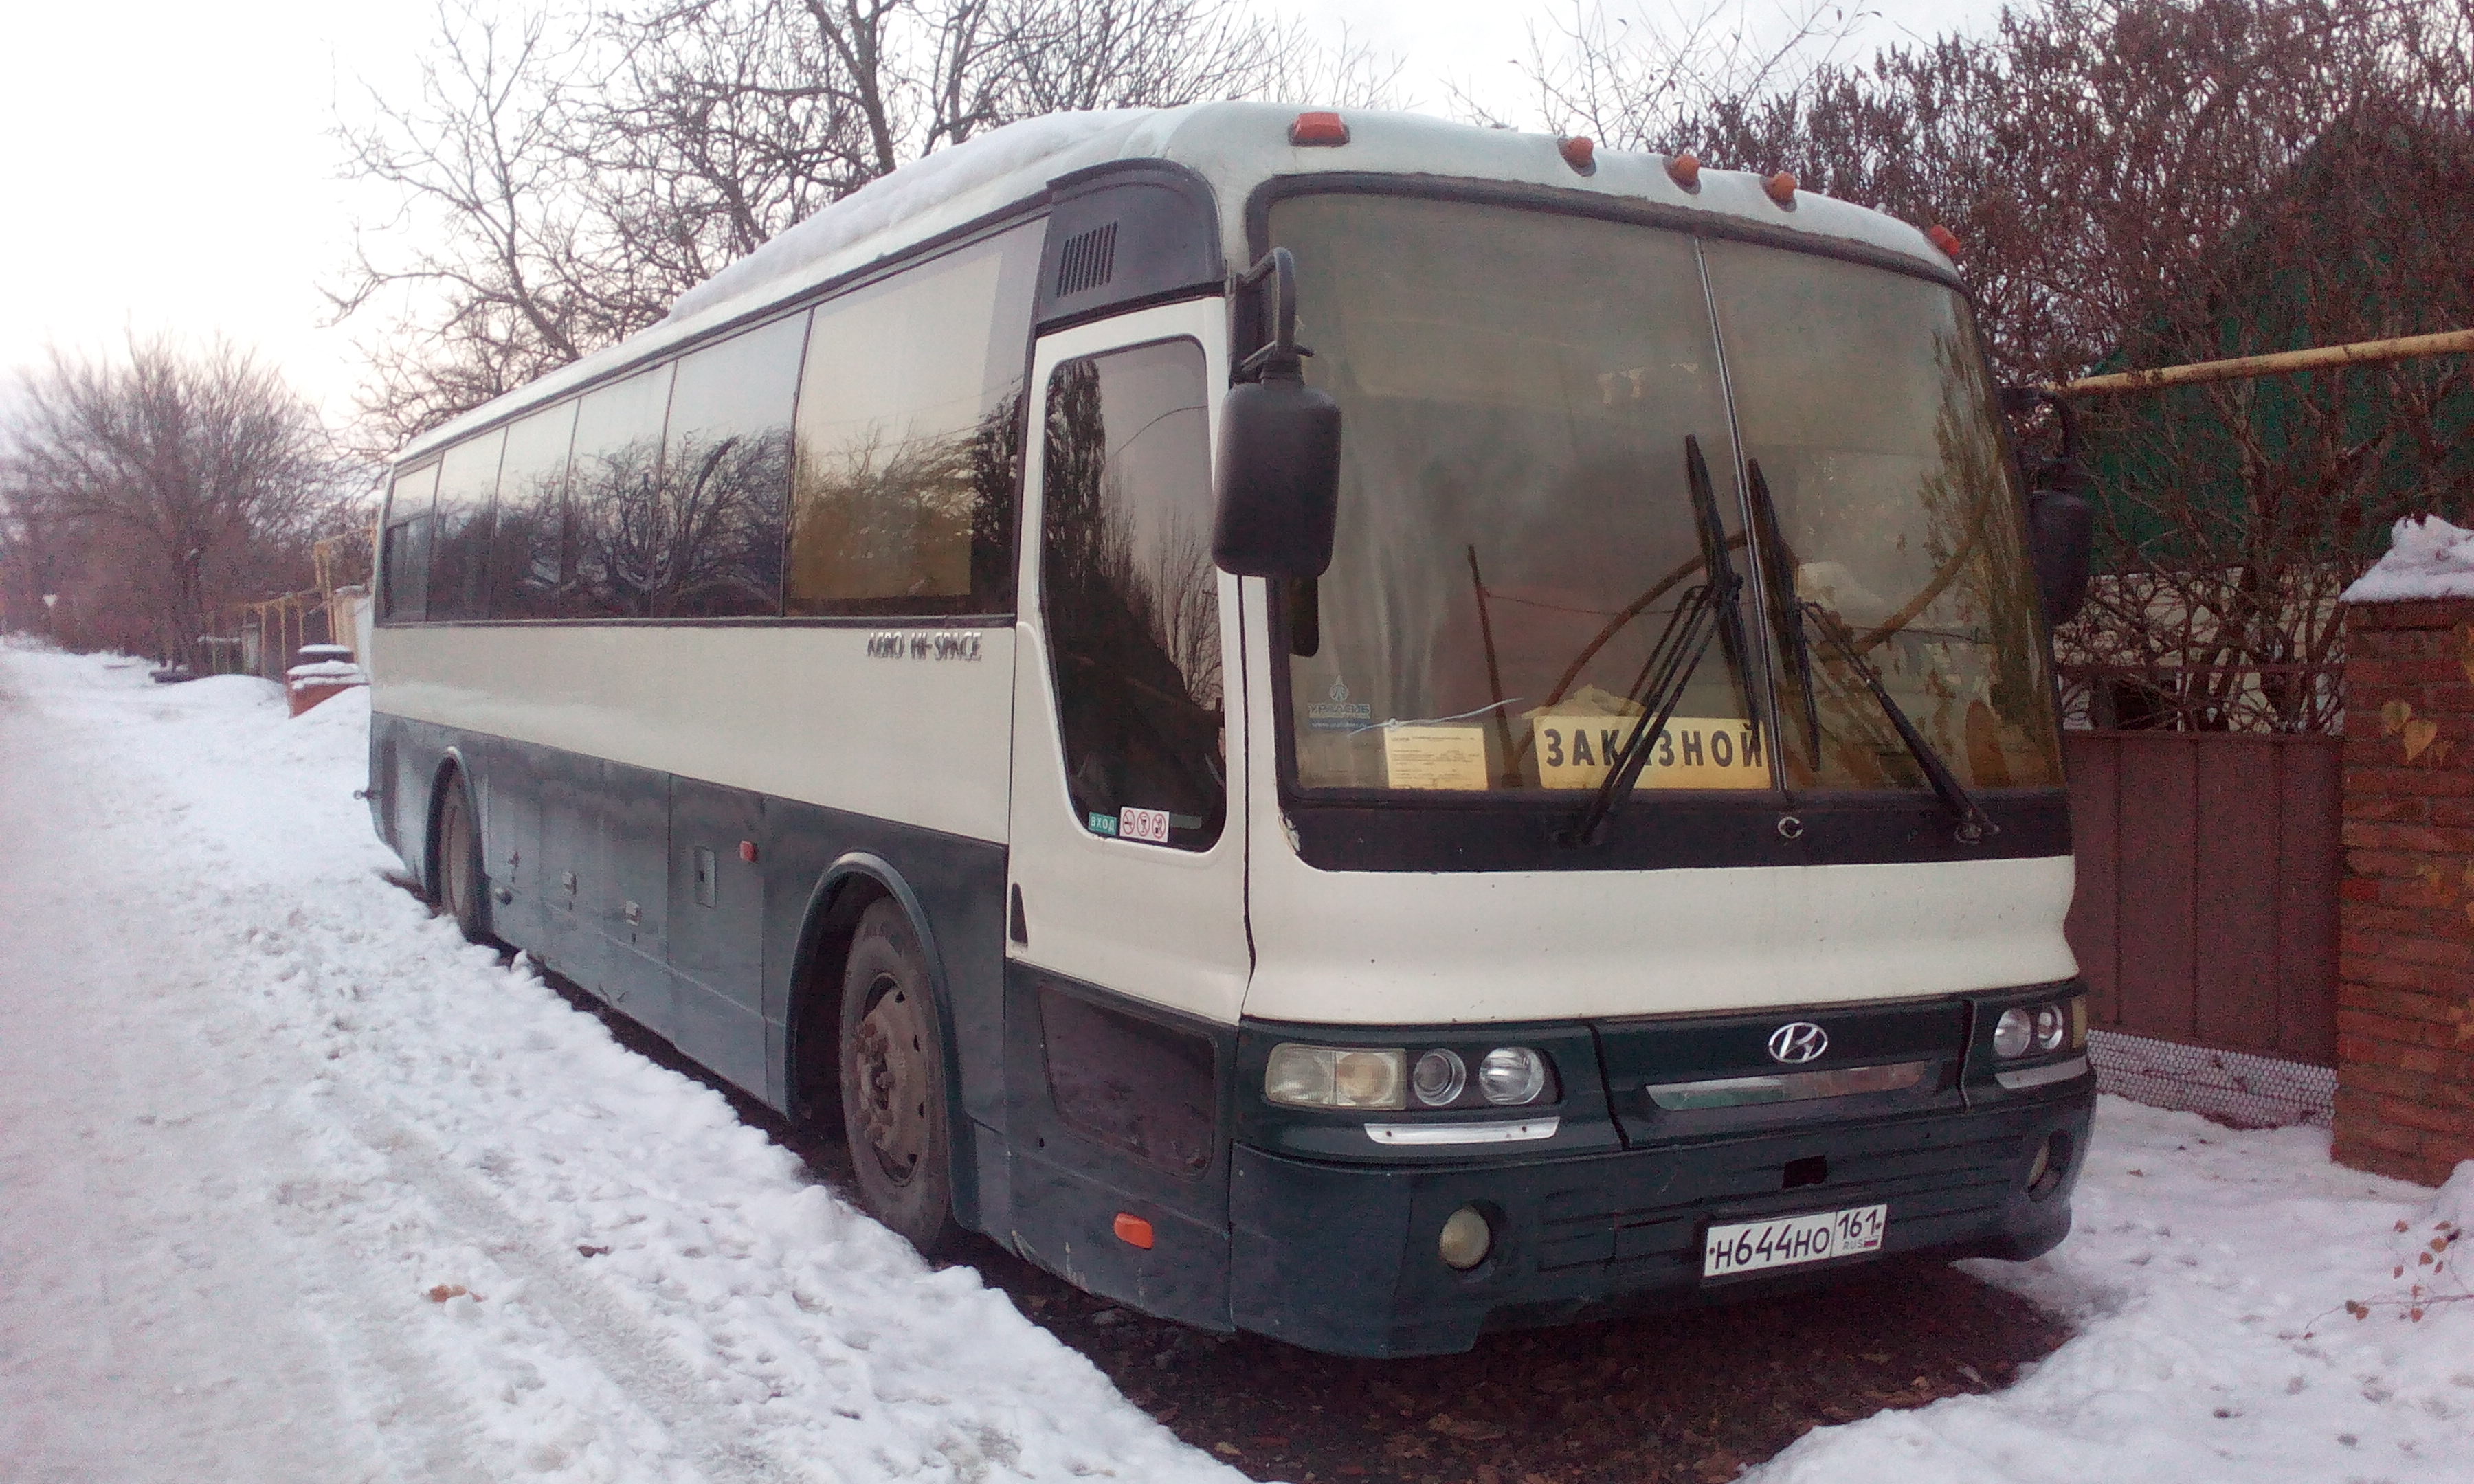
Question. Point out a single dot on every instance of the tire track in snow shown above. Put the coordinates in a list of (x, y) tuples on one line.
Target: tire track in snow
[(633, 1357)]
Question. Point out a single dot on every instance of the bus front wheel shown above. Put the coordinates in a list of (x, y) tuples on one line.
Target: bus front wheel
[(893, 1082)]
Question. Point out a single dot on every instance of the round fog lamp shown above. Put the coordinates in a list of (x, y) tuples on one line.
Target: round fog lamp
[(1512, 1074), (1465, 1241), (2052, 1158), (1438, 1077), (2049, 1027), (2012, 1034)]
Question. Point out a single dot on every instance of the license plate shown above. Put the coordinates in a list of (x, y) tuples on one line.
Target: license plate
[(1786, 1241)]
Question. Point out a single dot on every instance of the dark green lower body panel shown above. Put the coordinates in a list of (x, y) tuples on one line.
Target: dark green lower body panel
[(1344, 1258)]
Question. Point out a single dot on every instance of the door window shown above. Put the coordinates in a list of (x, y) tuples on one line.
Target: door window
[(1130, 597)]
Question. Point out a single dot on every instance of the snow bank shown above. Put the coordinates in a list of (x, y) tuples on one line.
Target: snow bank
[(299, 1185), (915, 188), (2208, 1276), (2427, 558)]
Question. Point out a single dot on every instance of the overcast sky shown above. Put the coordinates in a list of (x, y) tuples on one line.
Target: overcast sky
[(170, 166)]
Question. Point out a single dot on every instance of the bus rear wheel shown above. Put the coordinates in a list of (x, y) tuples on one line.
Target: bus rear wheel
[(893, 1082), (461, 888)]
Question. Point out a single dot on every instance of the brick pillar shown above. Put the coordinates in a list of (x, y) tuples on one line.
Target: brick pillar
[(2405, 997)]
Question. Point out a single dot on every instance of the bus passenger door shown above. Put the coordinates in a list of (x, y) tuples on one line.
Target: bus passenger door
[(1127, 949)]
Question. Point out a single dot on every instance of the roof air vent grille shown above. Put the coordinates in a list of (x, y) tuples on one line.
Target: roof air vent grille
[(1087, 261)]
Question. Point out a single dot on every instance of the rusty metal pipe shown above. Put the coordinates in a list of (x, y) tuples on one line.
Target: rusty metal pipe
[(2280, 363)]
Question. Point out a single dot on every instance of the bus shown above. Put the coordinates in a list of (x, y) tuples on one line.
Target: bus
[(1328, 724)]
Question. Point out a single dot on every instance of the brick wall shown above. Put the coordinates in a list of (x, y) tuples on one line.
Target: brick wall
[(2405, 997)]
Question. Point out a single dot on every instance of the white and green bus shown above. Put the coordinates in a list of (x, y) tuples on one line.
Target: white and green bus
[(1334, 725)]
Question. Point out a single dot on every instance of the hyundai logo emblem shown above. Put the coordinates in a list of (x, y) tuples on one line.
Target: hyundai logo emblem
[(1797, 1043)]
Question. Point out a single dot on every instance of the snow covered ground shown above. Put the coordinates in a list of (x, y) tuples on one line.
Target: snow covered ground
[(295, 1185)]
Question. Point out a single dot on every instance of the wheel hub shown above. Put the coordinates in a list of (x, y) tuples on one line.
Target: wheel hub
[(889, 1072)]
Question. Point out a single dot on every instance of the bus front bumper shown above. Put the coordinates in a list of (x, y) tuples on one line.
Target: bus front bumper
[(1345, 1259)]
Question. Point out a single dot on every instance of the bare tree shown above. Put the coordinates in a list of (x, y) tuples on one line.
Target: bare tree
[(180, 481), (567, 180), (1627, 76)]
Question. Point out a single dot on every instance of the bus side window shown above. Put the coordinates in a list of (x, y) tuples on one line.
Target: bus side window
[(616, 493), (531, 538), (459, 532), (404, 554), (1130, 596), (910, 438), (727, 473)]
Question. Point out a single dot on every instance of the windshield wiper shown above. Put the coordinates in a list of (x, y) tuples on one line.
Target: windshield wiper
[(1973, 824), (1778, 571), (1701, 616)]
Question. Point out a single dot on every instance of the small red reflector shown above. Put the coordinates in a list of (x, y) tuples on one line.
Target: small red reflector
[(1133, 1230), (1684, 170), (1781, 188), (1312, 129), (1579, 153), (1944, 238), (747, 851)]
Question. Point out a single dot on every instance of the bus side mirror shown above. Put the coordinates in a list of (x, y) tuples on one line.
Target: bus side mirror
[(1278, 480), (1278, 475), (2061, 510), (2061, 534)]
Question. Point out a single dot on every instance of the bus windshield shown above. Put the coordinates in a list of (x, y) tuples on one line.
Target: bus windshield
[(1525, 398)]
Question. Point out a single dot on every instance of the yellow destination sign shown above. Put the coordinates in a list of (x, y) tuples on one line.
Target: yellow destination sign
[(1573, 750)]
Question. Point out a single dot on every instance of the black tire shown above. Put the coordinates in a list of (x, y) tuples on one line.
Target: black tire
[(463, 887), (892, 1057)]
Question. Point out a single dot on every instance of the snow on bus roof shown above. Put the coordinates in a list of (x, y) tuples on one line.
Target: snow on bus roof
[(1235, 145), (910, 191)]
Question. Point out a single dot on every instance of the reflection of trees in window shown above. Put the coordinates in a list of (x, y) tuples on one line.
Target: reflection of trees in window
[(695, 536), (1129, 590), (460, 534), (918, 524), (530, 548), (531, 555), (1953, 633)]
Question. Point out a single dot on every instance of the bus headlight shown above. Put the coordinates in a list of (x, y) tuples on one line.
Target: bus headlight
[(1438, 1077), (1301, 1076), (1512, 1074), (2041, 1030)]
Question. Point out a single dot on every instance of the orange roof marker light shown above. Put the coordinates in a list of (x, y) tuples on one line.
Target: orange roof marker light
[(1581, 153), (1319, 128), (1944, 238), (1684, 170), (1781, 188), (1133, 1230)]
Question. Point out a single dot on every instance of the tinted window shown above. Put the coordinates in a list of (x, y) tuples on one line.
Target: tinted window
[(910, 438), (620, 534), (1523, 395), (727, 473), (1866, 408), (403, 554), (459, 538), (1130, 596), (530, 540)]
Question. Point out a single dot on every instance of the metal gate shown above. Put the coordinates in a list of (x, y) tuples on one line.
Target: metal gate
[(2206, 914)]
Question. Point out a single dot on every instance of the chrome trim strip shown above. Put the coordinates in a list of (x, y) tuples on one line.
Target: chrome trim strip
[(1521, 1132), (2039, 1076), (1786, 1087)]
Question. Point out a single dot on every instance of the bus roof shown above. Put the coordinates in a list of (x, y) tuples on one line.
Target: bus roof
[(1233, 146)]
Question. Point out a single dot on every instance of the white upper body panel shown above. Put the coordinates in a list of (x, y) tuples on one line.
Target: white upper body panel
[(810, 712)]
